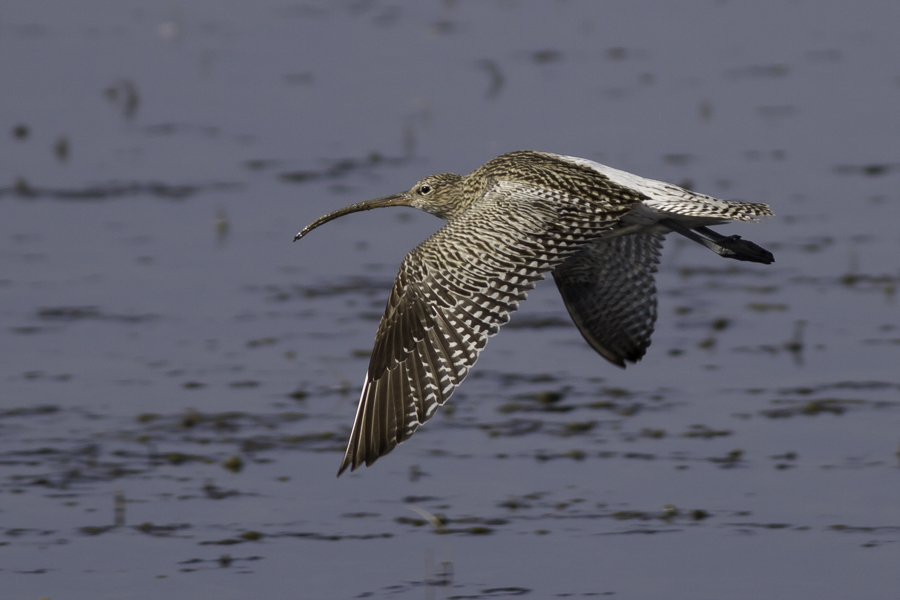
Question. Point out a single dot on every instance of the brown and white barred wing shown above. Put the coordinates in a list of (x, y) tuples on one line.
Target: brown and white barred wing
[(672, 200), (452, 293)]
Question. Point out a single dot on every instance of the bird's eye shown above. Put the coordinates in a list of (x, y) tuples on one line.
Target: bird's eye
[(425, 189)]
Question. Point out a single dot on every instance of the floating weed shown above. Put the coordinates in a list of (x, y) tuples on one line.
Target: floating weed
[(95, 530), (547, 401), (654, 434), (616, 392), (869, 170), (630, 410), (479, 530), (411, 521), (510, 379), (224, 542), (298, 395), (243, 384), (577, 455), (223, 561), (704, 432), (517, 504), (865, 529), (235, 464), (707, 344), (764, 526), (30, 411), (512, 427), (343, 167), (180, 458), (720, 324), (785, 461), (603, 405), (639, 455), (578, 427), (160, 530), (732, 459), (364, 286), (82, 313), (114, 189), (214, 492), (763, 307), (833, 406), (856, 281)]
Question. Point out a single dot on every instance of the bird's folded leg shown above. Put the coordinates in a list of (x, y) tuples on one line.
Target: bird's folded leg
[(730, 246)]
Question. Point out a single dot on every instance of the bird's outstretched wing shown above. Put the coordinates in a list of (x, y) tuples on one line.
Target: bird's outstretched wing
[(610, 293), (452, 293)]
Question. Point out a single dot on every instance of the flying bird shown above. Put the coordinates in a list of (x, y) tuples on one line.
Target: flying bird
[(519, 216)]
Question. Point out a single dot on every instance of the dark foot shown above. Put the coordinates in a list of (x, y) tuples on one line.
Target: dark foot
[(731, 246), (739, 249)]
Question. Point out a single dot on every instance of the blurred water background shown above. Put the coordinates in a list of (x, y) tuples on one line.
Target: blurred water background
[(177, 380)]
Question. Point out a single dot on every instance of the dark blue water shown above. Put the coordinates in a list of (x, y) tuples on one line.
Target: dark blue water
[(178, 379)]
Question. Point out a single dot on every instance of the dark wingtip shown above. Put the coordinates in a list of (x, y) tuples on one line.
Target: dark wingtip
[(344, 464)]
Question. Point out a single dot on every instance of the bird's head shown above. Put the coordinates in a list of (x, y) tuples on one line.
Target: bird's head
[(437, 194)]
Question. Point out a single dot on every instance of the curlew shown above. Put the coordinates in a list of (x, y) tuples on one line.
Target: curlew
[(510, 222)]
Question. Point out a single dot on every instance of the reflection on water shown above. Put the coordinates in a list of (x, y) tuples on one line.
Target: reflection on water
[(179, 379)]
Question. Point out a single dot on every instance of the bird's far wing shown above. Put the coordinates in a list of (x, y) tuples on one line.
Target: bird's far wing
[(451, 294), (674, 200), (610, 293)]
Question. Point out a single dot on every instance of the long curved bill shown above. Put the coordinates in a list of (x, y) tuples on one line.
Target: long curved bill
[(401, 199)]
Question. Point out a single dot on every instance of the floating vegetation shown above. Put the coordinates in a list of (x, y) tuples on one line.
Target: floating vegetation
[(167, 354), (704, 432), (80, 313), (24, 189), (870, 170), (732, 459), (235, 464), (351, 286), (766, 306), (811, 408), (336, 169)]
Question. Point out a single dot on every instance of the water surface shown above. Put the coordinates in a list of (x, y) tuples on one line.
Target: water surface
[(178, 379)]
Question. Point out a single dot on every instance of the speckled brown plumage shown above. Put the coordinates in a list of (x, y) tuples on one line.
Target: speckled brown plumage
[(510, 222)]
